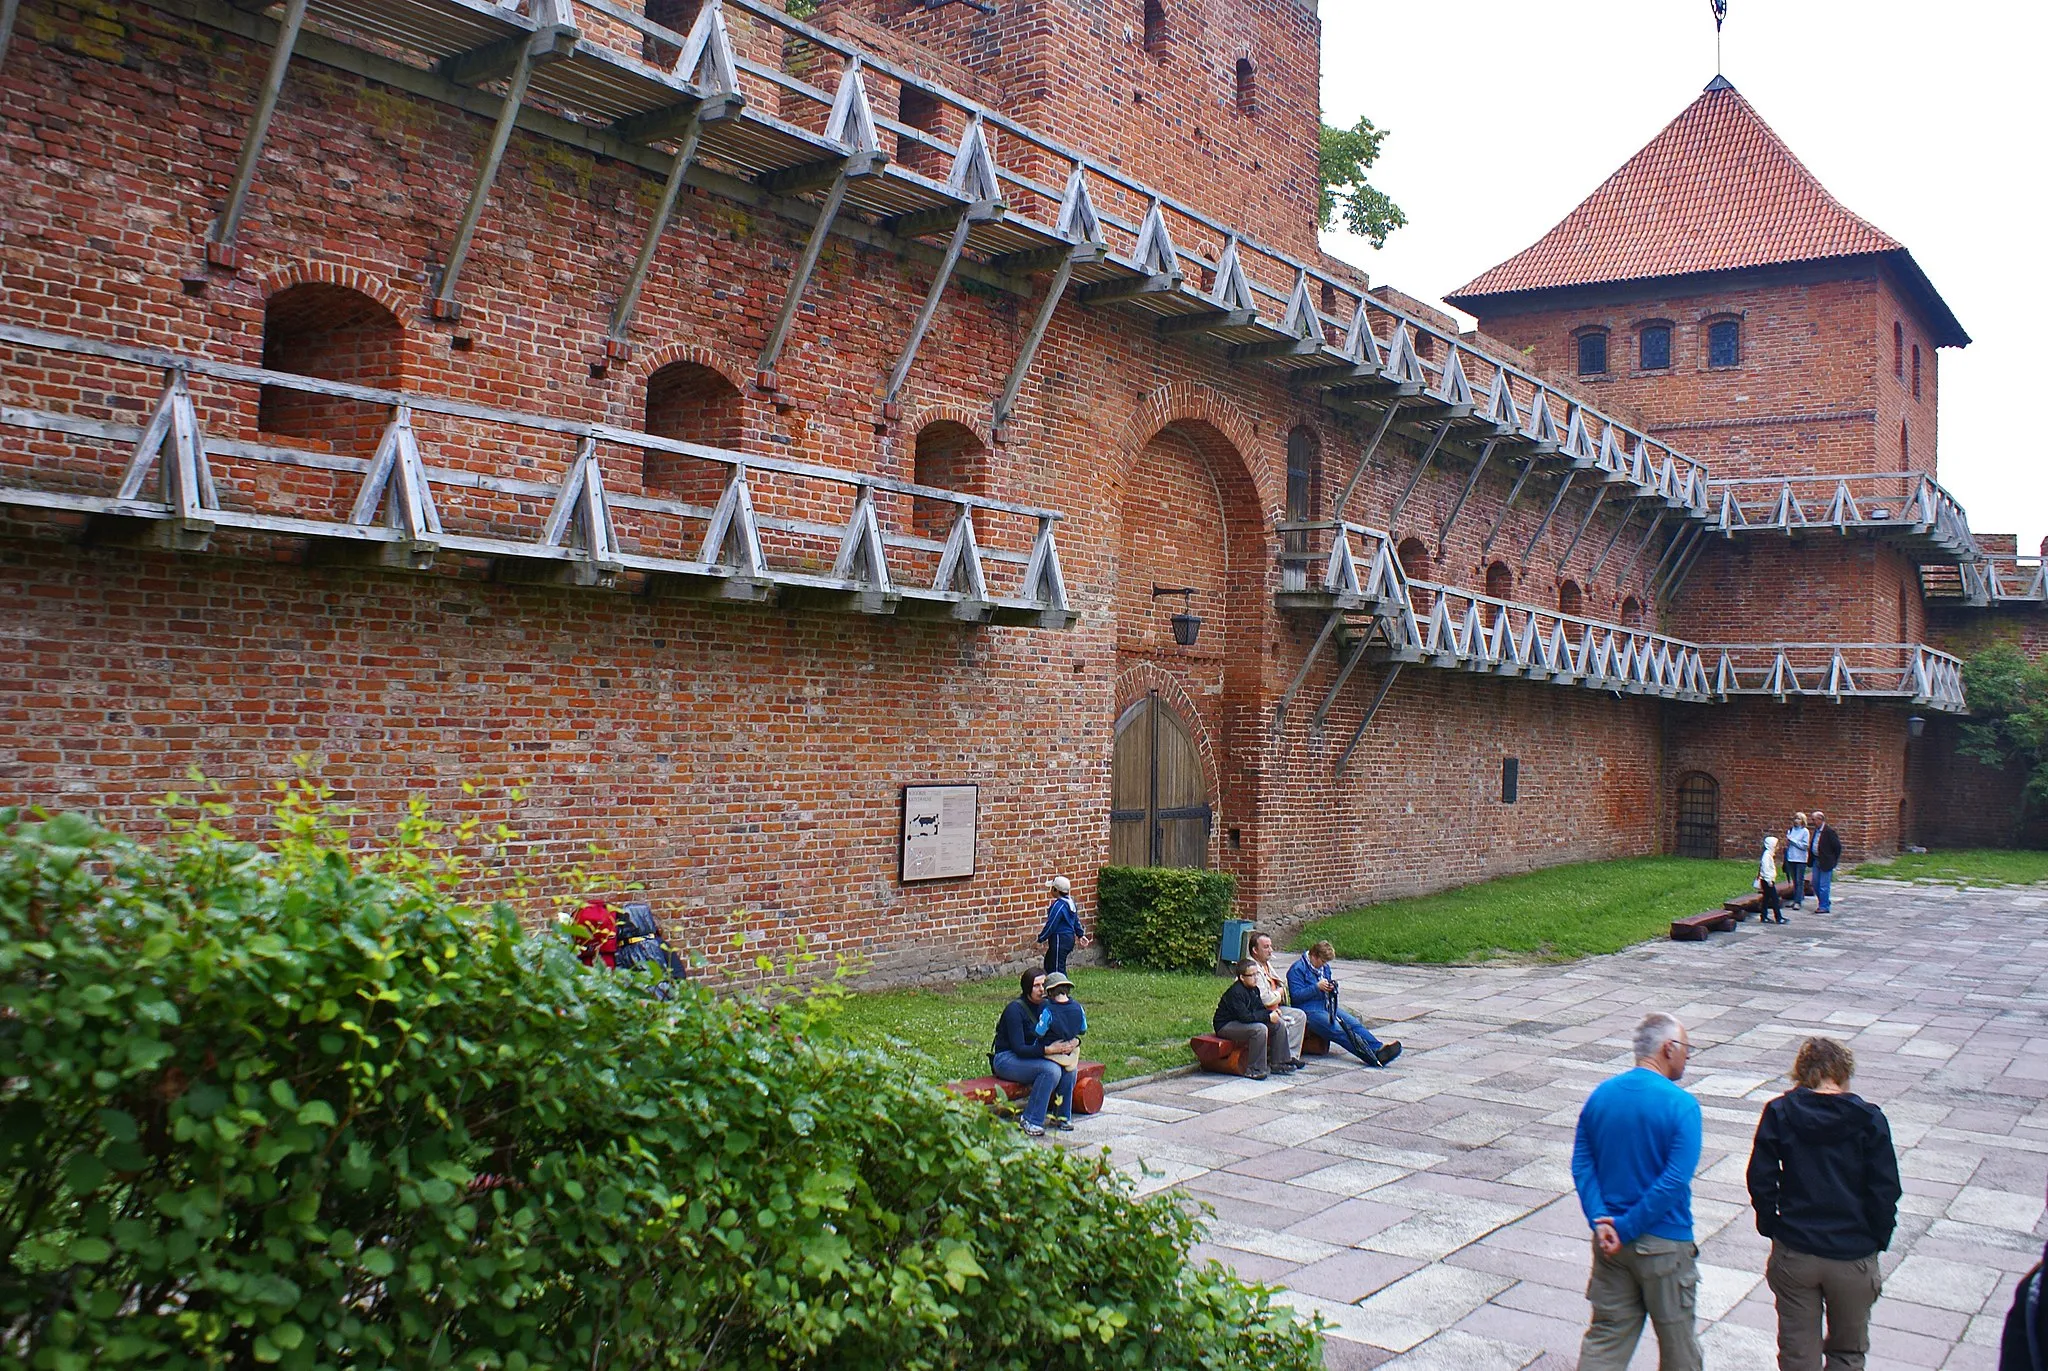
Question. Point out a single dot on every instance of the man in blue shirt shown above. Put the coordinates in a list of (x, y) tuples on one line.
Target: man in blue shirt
[(1638, 1144)]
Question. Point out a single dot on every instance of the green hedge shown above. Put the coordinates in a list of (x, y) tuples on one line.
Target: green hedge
[(298, 1105), (1161, 917)]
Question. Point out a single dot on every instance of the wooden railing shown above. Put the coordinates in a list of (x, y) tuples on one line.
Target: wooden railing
[(1837, 671)]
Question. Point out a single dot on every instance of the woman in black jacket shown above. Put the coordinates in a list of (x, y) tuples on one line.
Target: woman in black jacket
[(1242, 1017), (1018, 1055), (1825, 1184)]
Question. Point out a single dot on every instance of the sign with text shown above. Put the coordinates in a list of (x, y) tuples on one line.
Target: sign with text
[(938, 831)]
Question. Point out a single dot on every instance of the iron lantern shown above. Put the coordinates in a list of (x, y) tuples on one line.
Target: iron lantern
[(1187, 624)]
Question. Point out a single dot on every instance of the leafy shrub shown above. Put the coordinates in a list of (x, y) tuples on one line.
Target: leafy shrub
[(1160, 917), (297, 1105)]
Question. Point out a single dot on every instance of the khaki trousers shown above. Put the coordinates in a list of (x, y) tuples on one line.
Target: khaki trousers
[(1806, 1286), (1651, 1277), (1295, 1021)]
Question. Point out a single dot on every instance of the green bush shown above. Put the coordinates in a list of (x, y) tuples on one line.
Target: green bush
[(1161, 917), (298, 1105)]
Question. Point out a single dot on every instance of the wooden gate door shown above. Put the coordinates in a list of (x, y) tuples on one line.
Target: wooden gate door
[(1699, 816), (1159, 796)]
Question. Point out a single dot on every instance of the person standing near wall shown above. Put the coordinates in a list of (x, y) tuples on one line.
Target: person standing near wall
[(1827, 855), (1824, 1181), (1637, 1145), (1062, 931), (1798, 850)]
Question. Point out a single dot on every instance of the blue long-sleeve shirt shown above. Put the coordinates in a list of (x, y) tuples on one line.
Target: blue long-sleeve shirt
[(1014, 1031), (1060, 921), (1302, 991), (1059, 1021), (1638, 1144)]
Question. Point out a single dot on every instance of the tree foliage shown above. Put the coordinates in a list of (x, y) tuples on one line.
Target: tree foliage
[(1345, 156), (2008, 726), (298, 1105)]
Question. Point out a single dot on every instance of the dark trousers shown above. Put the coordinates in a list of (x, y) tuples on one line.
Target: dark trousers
[(1057, 950), (1265, 1046), (1772, 904), (1797, 871)]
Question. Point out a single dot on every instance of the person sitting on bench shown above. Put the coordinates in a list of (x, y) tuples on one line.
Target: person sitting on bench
[(1242, 1017), (1312, 985)]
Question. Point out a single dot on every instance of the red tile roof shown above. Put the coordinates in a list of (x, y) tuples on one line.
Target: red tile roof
[(1717, 190)]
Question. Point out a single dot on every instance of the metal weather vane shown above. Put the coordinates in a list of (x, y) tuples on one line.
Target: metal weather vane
[(1720, 13)]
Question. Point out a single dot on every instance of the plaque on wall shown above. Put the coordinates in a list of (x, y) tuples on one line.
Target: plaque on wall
[(938, 831)]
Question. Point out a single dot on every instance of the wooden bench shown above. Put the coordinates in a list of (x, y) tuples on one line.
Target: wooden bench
[(1214, 1053), (994, 1091), (1696, 928)]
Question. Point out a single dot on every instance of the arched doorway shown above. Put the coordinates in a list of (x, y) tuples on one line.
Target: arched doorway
[(1159, 793), (1699, 816)]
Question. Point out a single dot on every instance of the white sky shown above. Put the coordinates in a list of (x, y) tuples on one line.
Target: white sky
[(1927, 119)]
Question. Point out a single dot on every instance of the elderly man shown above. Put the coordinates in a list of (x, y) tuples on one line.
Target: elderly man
[(1273, 991), (1638, 1144), (1827, 855)]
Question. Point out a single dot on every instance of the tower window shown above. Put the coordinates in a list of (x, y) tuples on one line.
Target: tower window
[(1593, 353), (1724, 343), (1155, 26), (1247, 87), (1654, 348), (1898, 350), (1905, 445), (1916, 371)]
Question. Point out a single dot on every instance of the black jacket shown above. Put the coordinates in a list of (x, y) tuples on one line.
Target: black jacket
[(2017, 1351), (1827, 848), (1823, 1176), (1241, 1004)]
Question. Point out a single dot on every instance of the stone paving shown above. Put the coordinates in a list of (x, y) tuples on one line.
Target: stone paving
[(1427, 1212)]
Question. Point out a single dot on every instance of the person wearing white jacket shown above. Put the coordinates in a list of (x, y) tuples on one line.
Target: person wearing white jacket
[(1767, 880)]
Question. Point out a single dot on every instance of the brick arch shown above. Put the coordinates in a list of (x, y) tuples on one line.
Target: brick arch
[(974, 423), (651, 360), (1186, 402), (329, 274), (1132, 684)]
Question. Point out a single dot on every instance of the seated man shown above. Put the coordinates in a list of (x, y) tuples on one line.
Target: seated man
[(1273, 990), (1242, 1017), (1313, 987)]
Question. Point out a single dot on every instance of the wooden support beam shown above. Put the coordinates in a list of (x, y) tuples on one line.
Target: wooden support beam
[(504, 57), (1028, 353), (918, 223), (1349, 665), (1669, 560), (778, 335), (1364, 460), (1108, 292), (674, 123), (1605, 552), (1048, 259), (1620, 577), (1548, 515), (1500, 520), (825, 172), (1378, 699), (221, 236), (1307, 664), (908, 357), (1205, 321), (1471, 484), (1278, 347), (1599, 495), (1428, 456), (629, 294)]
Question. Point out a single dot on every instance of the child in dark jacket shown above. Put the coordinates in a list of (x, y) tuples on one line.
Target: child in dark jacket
[(1825, 1184), (1062, 1018)]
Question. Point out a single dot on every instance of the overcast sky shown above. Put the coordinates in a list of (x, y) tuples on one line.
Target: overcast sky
[(1927, 119)]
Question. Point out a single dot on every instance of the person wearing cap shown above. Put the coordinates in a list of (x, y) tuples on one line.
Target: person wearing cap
[(1019, 1054), (1062, 926), (1062, 1020)]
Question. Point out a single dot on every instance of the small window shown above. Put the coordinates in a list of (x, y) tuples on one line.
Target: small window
[(1593, 354), (1304, 472), (1631, 613), (1570, 599), (1247, 87), (1724, 343), (678, 16), (1155, 26), (1510, 779), (1905, 445), (1916, 371), (1898, 350), (1655, 347)]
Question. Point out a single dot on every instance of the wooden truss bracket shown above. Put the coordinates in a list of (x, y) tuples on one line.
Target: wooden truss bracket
[(396, 483), (1043, 580), (1013, 384), (862, 559), (960, 564), (1471, 484), (174, 445), (732, 538), (582, 518)]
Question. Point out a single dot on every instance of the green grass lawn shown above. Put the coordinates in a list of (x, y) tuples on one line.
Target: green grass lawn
[(1138, 1021), (1971, 866), (1552, 915)]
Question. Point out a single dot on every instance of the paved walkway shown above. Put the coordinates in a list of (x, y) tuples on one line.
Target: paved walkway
[(1426, 1211)]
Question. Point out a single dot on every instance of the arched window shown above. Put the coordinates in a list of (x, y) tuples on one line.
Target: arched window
[(1593, 352), (1500, 584), (679, 15), (1570, 599), (1699, 816), (1247, 87), (949, 457), (1898, 350), (1631, 613), (1653, 347), (919, 109), (694, 403), (316, 329), (1155, 26), (1724, 343), (1905, 446), (1916, 371), (1304, 473)]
